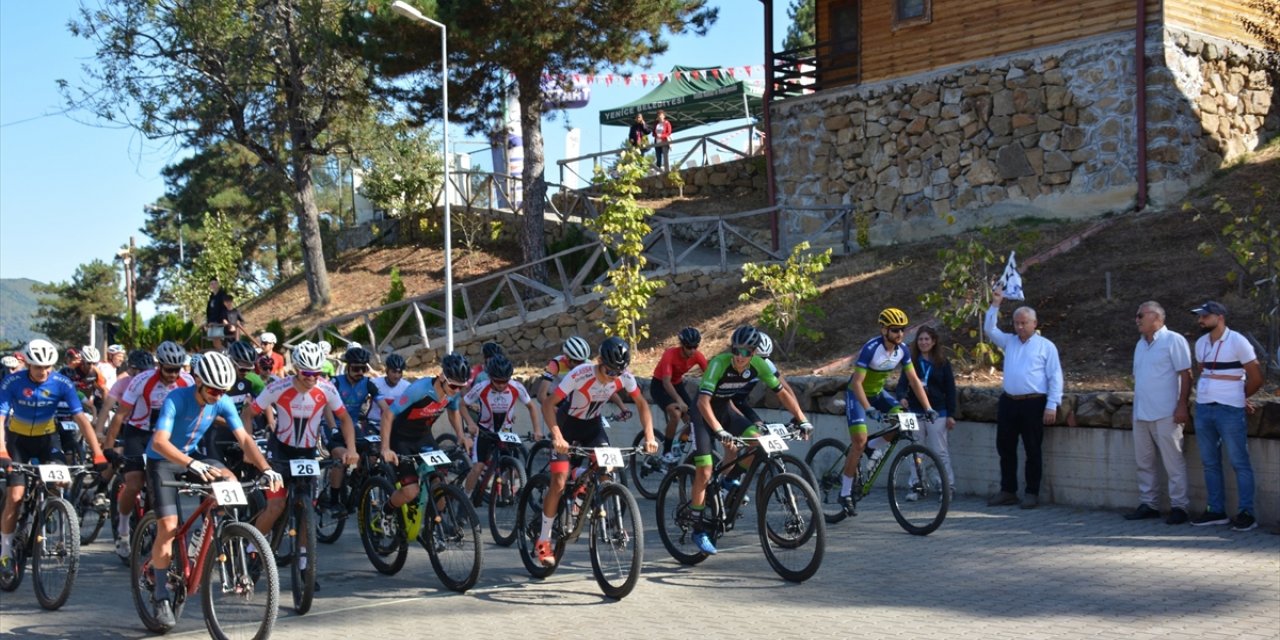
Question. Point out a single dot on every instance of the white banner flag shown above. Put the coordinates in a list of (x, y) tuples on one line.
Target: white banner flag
[(1011, 281)]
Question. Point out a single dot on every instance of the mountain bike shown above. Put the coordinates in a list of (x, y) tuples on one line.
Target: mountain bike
[(331, 515), (48, 532), (499, 485), (919, 493), (89, 498), (617, 533), (789, 516), (293, 538), (446, 525), (539, 460), (649, 469)]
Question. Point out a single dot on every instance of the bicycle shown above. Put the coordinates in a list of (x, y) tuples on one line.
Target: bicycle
[(539, 460), (114, 491), (48, 533), (500, 485), (617, 533), (293, 536), (649, 469), (918, 490), (789, 516), (331, 517), (235, 600), (446, 525), (93, 508)]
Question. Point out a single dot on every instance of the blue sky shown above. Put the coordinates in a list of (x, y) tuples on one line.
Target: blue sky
[(70, 192)]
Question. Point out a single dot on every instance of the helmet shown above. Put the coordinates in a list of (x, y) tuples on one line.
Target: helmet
[(893, 317), (171, 354), (41, 353), (214, 370), (308, 356), (745, 336), (268, 337), (114, 349), (356, 355), (73, 354), (766, 346), (615, 353), (499, 368), (90, 354), (491, 349), (689, 337), (141, 360), (243, 354), (576, 348), (325, 347), (193, 360), (9, 362), (265, 363), (395, 361), (455, 368)]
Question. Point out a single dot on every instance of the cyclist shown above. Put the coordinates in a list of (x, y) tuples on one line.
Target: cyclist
[(9, 364), (354, 388), (299, 402), (584, 390), (667, 386), (27, 403), (390, 386), (488, 351), (138, 362), (865, 397), (140, 408), (185, 417), (268, 341), (109, 369), (328, 368), (219, 438), (740, 401), (493, 400), (574, 353), (82, 370), (727, 374)]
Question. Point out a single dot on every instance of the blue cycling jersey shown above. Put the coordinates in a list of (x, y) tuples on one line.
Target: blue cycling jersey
[(353, 394), (186, 421), (30, 407)]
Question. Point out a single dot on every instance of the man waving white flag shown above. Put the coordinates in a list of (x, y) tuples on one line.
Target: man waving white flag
[(1011, 281)]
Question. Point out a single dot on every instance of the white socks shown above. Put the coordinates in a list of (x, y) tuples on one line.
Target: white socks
[(846, 485), (6, 544), (545, 535)]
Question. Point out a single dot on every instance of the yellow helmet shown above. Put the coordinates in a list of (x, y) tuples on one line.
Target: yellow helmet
[(893, 317)]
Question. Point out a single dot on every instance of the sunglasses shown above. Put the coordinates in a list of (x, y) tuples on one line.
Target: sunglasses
[(743, 352), (357, 368), (897, 329), (213, 393), (310, 374), (612, 373), (170, 370), (454, 385)]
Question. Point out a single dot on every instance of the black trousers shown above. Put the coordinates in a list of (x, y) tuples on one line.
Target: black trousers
[(1020, 419)]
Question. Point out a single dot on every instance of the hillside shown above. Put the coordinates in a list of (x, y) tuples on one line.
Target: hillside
[(17, 310)]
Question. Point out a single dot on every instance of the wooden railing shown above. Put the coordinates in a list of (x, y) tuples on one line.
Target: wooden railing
[(684, 151)]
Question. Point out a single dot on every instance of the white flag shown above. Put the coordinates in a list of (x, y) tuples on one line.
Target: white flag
[(1011, 281)]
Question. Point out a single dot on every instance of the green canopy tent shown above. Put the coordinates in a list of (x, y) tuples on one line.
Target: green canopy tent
[(692, 102)]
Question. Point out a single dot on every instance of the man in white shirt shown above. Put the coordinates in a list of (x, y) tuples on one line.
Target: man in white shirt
[(1161, 390), (1032, 393), (1229, 374)]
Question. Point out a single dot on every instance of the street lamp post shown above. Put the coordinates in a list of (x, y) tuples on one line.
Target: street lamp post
[(412, 13)]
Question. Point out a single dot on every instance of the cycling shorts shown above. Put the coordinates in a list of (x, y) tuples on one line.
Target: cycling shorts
[(135, 448), (406, 449), (857, 416), (663, 399), (703, 438), (164, 500), (31, 449), (584, 433), (279, 455)]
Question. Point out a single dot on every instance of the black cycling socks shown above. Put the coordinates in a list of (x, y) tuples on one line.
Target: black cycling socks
[(161, 578)]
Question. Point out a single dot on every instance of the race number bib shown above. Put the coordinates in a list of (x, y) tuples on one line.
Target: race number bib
[(229, 493), (908, 422), (609, 457), (436, 458), (508, 437), (304, 467), (779, 430), (772, 444), (55, 473), (69, 425)]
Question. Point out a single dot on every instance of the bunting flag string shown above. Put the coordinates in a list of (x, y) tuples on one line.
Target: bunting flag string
[(645, 79)]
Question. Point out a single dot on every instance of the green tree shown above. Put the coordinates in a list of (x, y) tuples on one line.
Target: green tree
[(800, 33), (273, 76), (962, 295), (219, 258), (65, 307), (403, 172), (788, 287)]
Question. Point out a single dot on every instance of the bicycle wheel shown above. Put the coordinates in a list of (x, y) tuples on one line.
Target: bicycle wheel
[(792, 529), (236, 603), (331, 519), (56, 553), (617, 541), (675, 518), (140, 582), (529, 525), (647, 471), (447, 442), (919, 493), (453, 540), (302, 538), (504, 496), (381, 533), (826, 461), (91, 514), (785, 463), (539, 458)]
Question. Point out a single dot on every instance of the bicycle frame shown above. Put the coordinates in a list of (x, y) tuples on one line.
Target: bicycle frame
[(592, 477), (869, 482)]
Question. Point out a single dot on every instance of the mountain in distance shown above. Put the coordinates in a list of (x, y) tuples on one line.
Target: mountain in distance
[(17, 310)]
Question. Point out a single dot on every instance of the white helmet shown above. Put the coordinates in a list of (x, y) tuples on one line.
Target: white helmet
[(171, 354), (41, 353), (216, 370), (90, 354), (308, 356), (765, 348), (9, 362), (325, 347), (268, 337), (577, 349)]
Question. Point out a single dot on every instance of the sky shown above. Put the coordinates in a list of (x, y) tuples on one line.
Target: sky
[(71, 192)]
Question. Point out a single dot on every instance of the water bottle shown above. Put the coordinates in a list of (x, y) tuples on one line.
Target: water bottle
[(727, 487)]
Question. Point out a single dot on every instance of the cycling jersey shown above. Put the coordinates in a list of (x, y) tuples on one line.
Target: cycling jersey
[(30, 407), (877, 361), (245, 390), (557, 366), (587, 395), (87, 383), (496, 404), (298, 413), (721, 381), (354, 394), (418, 408), (751, 384), (477, 376), (388, 394), (117, 390), (674, 364), (146, 395), (186, 421)]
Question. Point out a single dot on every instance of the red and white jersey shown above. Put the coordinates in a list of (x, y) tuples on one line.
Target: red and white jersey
[(299, 414), (493, 402), (146, 393), (587, 394)]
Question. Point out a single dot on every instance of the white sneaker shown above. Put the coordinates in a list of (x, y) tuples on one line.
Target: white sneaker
[(122, 547)]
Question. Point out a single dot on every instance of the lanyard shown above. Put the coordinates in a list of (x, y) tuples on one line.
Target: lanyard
[(926, 368), (1205, 357)]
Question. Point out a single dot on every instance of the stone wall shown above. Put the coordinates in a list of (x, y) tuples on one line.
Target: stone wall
[(732, 178)]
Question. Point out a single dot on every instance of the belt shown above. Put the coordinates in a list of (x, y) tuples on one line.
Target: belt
[(1025, 396)]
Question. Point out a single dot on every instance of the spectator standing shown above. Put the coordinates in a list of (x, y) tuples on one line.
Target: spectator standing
[(638, 136), (269, 341), (232, 320), (1229, 374), (934, 369), (662, 142), (1161, 391), (215, 309), (1032, 392)]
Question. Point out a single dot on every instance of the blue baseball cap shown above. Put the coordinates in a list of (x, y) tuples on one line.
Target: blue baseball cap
[(1210, 308)]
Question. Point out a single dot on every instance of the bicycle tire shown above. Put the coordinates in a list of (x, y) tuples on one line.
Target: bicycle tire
[(19, 558), (228, 562), (504, 498), (447, 442), (539, 458), (789, 517), (617, 541), (386, 549), (648, 470), (675, 518), (57, 548), (328, 526), (452, 540), (925, 514), (826, 459), (90, 517), (303, 581), (141, 539), (529, 525), (790, 464)]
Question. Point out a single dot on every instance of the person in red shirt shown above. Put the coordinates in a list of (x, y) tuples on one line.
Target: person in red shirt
[(268, 341), (662, 142), (667, 388)]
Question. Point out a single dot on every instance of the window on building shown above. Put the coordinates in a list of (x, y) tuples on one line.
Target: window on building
[(844, 26), (911, 12)]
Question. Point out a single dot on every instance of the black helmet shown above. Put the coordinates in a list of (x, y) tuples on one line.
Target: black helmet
[(356, 355), (690, 338), (615, 353), (141, 359), (491, 349), (745, 336), (499, 368), (455, 368), (396, 361), (243, 354)]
